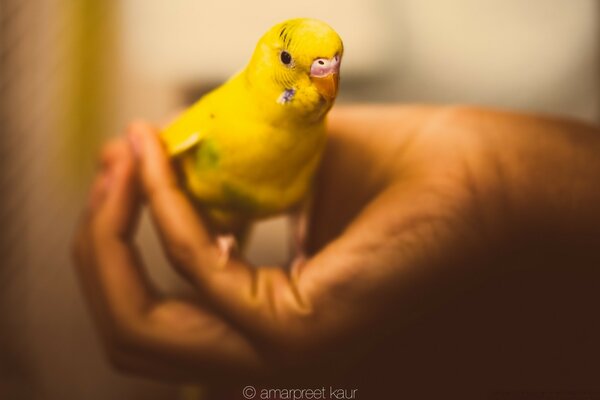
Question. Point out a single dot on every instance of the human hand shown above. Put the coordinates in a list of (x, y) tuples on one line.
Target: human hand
[(411, 204)]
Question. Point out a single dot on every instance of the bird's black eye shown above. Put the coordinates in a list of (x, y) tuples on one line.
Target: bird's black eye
[(286, 58)]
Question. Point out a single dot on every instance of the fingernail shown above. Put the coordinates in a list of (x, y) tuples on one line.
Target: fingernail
[(135, 141), (107, 181)]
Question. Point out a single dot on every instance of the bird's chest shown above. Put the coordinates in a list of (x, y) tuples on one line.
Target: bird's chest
[(272, 157), (270, 168)]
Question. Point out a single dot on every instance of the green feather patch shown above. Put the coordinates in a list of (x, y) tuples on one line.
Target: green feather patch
[(208, 155), (237, 199)]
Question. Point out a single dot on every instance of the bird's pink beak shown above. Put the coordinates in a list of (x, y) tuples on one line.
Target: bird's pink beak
[(325, 75)]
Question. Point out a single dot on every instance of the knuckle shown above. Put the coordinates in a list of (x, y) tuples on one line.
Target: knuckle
[(287, 317), (124, 346), (159, 188), (125, 337), (181, 251), (154, 191), (119, 362), (109, 149), (293, 347), (98, 229), (460, 113)]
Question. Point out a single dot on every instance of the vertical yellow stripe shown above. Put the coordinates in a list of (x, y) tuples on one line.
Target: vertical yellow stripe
[(90, 64)]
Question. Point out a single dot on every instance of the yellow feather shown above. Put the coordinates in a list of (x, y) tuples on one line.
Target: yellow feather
[(246, 151)]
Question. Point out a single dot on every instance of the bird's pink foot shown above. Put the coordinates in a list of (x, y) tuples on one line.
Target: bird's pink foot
[(227, 245), (298, 261)]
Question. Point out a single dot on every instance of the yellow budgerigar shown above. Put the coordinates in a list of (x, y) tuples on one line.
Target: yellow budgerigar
[(250, 148)]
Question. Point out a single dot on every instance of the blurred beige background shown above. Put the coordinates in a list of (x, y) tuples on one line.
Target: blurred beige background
[(74, 72)]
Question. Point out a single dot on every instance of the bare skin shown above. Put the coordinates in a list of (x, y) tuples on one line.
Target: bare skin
[(434, 233)]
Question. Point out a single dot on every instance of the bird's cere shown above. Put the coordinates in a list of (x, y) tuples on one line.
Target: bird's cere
[(322, 66), (324, 74)]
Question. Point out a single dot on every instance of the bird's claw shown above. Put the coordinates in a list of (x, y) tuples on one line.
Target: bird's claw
[(298, 261), (227, 245)]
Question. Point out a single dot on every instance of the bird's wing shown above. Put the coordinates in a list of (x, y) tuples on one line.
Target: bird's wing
[(187, 130), (197, 122), (179, 142)]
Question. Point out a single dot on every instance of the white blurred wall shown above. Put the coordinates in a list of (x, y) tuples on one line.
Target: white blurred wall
[(538, 54), (189, 40)]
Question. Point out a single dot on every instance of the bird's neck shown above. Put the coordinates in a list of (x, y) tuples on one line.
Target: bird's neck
[(267, 95)]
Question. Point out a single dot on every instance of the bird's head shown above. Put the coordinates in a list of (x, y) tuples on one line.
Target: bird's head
[(297, 64)]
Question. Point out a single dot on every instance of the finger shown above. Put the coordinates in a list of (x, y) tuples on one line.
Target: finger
[(166, 338), (190, 342), (110, 267), (181, 229), (183, 234), (124, 290), (102, 180)]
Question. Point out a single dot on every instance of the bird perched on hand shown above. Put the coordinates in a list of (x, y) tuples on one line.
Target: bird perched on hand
[(250, 148)]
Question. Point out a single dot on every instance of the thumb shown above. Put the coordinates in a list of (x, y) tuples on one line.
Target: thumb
[(154, 164)]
